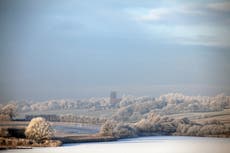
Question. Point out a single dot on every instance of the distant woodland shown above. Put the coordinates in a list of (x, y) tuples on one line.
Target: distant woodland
[(169, 114)]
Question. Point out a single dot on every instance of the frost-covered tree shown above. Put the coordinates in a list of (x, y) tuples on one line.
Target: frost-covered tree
[(120, 130), (124, 130), (108, 128), (8, 110), (39, 130)]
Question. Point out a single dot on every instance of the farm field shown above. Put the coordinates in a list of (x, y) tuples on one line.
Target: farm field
[(201, 117)]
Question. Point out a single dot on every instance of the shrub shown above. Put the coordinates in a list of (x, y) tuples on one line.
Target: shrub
[(124, 131), (107, 128), (4, 117), (39, 130), (3, 132)]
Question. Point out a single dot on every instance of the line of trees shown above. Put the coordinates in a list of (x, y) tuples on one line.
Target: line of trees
[(172, 103), (162, 125), (81, 119)]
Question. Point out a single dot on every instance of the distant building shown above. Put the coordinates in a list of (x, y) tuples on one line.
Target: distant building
[(113, 97)]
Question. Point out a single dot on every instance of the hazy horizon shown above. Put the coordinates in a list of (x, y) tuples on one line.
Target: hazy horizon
[(81, 49)]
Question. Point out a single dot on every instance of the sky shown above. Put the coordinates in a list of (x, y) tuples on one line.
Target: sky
[(52, 49)]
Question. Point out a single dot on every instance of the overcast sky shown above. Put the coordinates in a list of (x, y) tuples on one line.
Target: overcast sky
[(85, 48)]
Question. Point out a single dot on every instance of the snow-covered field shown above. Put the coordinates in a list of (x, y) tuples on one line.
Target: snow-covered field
[(161, 144)]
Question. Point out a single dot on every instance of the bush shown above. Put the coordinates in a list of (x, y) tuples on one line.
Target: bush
[(3, 132), (108, 128), (120, 130), (124, 131), (4, 117), (39, 130)]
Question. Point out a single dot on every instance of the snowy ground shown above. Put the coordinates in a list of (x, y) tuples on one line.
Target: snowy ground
[(162, 144)]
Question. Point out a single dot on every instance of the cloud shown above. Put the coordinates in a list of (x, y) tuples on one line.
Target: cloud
[(166, 13), (190, 13), (187, 23), (221, 6), (204, 40), (154, 14)]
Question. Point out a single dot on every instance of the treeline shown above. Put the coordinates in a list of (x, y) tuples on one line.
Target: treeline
[(48, 117), (65, 104), (130, 108), (8, 111), (68, 118), (156, 125), (81, 119), (69, 104), (133, 108), (173, 103)]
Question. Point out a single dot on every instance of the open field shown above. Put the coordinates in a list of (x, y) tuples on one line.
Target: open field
[(200, 117), (69, 129)]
